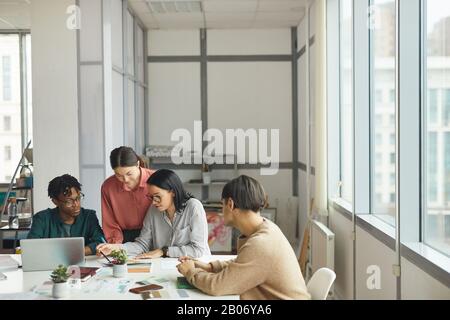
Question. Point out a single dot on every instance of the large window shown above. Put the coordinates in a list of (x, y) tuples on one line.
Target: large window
[(15, 105), (382, 79), (436, 213), (7, 123), (7, 153), (346, 93), (6, 70)]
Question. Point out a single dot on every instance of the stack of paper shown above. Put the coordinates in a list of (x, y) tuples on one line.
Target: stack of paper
[(130, 262), (139, 261), (139, 269)]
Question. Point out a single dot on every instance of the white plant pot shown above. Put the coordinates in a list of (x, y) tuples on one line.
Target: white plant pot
[(120, 270), (60, 290)]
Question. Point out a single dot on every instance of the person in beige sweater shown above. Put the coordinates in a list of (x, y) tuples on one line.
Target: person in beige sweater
[(266, 266)]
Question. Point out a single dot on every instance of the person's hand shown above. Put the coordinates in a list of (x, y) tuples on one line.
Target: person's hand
[(198, 264), (87, 251), (158, 253), (185, 267), (185, 258), (107, 248)]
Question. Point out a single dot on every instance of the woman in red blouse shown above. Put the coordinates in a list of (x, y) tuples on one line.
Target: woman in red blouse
[(124, 196)]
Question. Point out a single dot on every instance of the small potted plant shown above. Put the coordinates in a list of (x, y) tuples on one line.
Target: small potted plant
[(120, 268), (59, 277)]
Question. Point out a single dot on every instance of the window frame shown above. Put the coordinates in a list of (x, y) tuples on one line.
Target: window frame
[(406, 240), (23, 80), (440, 95), (24, 116), (373, 103), (349, 203), (131, 76)]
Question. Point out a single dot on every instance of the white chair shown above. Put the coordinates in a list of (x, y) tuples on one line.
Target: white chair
[(320, 283)]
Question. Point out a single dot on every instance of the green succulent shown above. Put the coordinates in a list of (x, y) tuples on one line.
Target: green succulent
[(60, 275), (120, 256)]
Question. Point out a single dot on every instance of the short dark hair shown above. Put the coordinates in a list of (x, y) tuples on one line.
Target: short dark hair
[(169, 180), (62, 185), (246, 193), (125, 157)]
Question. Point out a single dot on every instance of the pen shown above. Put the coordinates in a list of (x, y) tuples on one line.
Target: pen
[(106, 257), (104, 241)]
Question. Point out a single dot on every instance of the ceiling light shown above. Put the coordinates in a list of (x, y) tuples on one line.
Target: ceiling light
[(175, 6)]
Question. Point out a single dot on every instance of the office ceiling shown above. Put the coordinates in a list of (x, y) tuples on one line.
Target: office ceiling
[(219, 14), (15, 14), (186, 14)]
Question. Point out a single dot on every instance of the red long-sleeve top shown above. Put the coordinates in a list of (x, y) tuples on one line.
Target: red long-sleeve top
[(122, 208)]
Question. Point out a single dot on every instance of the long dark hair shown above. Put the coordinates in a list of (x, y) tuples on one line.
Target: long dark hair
[(168, 180), (125, 157)]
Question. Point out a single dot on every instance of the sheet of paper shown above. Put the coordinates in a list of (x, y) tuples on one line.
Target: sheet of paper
[(130, 262), (161, 280), (169, 264), (123, 286), (139, 261), (44, 288), (107, 285)]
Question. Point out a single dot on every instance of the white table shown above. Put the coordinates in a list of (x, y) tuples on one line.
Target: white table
[(103, 286)]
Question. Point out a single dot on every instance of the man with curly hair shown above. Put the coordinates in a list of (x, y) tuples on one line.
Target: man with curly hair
[(68, 218)]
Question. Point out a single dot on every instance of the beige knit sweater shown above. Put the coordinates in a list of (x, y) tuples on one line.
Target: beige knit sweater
[(265, 268)]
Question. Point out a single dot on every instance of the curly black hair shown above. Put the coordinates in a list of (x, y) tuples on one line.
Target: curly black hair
[(62, 185)]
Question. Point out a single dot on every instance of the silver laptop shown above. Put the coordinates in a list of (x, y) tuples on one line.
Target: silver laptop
[(47, 254)]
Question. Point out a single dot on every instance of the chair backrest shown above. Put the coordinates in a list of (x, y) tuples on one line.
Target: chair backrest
[(320, 283)]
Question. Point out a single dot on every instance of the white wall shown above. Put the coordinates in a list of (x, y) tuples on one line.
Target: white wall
[(415, 282), (174, 99), (418, 285), (55, 116), (240, 95), (71, 138), (248, 42), (252, 95), (174, 43), (343, 255), (371, 252)]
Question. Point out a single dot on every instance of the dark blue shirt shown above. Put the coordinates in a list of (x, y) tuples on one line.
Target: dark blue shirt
[(48, 224)]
